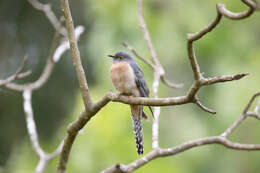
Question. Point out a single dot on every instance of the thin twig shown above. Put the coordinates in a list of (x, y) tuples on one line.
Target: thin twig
[(46, 9), (190, 97), (137, 55), (64, 46), (223, 78), (154, 67), (27, 89), (170, 84), (146, 33), (18, 74), (242, 117), (159, 152), (198, 103), (56, 52)]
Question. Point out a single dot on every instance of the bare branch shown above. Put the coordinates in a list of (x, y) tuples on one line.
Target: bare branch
[(138, 56), (146, 33), (159, 152), (223, 78), (90, 108), (46, 9), (27, 89), (191, 96), (170, 84), (178, 149), (31, 127), (257, 108), (55, 53), (155, 128), (18, 74), (198, 103), (193, 37), (157, 111), (154, 67), (254, 115), (250, 102), (64, 46), (76, 54), (148, 101), (234, 16), (45, 74), (242, 117), (41, 166)]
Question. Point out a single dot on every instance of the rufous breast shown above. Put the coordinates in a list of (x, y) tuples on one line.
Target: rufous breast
[(123, 78)]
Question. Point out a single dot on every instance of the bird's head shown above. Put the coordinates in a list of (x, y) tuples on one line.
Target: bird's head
[(122, 57)]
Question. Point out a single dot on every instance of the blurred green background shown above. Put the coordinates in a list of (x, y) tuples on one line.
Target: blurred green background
[(233, 47)]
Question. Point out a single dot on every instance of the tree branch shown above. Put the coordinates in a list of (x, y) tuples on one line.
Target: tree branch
[(153, 66), (46, 9), (45, 74), (27, 90), (159, 74), (138, 56), (18, 74), (198, 103), (190, 97), (90, 107), (242, 117), (76, 54), (56, 52), (159, 152), (44, 157)]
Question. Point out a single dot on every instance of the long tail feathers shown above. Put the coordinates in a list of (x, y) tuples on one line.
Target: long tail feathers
[(137, 112)]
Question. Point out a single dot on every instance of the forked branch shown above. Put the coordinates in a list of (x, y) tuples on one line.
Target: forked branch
[(159, 75)]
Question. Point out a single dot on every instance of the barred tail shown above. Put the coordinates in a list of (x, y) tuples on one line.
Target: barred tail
[(137, 125)]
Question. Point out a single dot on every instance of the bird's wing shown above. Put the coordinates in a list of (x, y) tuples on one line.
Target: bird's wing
[(140, 82)]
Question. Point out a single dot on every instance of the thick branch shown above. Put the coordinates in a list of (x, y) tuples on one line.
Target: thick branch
[(86, 115), (76, 54)]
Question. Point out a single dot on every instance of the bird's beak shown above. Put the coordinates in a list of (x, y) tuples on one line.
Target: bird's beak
[(113, 56)]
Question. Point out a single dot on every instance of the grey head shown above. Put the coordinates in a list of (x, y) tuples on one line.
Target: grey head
[(122, 57)]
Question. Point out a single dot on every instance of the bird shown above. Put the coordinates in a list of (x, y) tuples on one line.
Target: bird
[(128, 78)]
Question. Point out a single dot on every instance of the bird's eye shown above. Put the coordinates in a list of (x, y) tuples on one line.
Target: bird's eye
[(120, 57)]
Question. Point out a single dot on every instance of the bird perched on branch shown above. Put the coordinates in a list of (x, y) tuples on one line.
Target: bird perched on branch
[(128, 79)]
